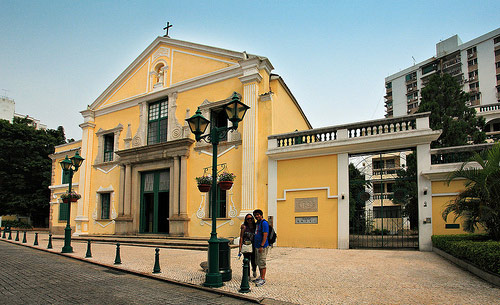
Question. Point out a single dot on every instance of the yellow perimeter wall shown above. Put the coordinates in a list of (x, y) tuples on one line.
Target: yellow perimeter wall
[(313, 172), (442, 193)]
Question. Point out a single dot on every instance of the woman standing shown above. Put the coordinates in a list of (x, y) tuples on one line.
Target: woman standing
[(246, 238)]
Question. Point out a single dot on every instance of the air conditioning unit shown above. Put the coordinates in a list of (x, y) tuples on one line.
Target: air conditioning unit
[(410, 89), (470, 55)]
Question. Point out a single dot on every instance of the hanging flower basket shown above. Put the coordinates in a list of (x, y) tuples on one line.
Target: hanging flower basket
[(204, 188), (225, 185), (226, 180), (73, 197), (204, 183)]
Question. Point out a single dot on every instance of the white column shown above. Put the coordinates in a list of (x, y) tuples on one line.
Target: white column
[(424, 201), (83, 204), (121, 200), (249, 146), (183, 182), (343, 204), (175, 191), (127, 200)]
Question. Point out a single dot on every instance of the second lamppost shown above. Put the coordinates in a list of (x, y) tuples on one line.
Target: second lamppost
[(235, 111), (70, 166)]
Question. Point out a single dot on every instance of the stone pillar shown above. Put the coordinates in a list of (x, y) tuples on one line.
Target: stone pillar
[(121, 197), (179, 220), (183, 186), (83, 205), (124, 220), (343, 204), (175, 185), (424, 201), (250, 79)]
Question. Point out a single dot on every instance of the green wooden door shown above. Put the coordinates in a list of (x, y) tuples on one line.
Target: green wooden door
[(155, 190)]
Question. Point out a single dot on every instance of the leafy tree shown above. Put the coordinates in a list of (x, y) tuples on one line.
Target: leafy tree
[(479, 203), (357, 185), (446, 101), (25, 168), (405, 189)]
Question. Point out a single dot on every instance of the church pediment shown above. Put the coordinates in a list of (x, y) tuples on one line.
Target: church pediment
[(167, 63)]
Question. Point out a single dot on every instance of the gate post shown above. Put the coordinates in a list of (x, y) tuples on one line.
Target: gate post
[(424, 201), (343, 201)]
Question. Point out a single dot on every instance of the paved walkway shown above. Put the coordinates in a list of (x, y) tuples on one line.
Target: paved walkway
[(28, 276), (316, 276)]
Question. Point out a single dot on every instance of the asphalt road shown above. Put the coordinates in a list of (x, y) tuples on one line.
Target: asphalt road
[(29, 276)]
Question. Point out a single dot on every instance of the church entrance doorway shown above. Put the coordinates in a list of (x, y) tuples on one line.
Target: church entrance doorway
[(383, 200), (155, 193)]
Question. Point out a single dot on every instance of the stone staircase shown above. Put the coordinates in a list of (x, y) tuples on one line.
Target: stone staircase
[(149, 240)]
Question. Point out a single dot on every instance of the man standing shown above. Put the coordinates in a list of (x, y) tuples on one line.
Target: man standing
[(261, 245)]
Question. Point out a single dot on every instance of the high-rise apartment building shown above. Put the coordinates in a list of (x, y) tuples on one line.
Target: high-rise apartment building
[(475, 64), (7, 112)]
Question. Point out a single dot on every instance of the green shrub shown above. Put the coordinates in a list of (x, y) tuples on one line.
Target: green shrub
[(16, 224), (477, 249)]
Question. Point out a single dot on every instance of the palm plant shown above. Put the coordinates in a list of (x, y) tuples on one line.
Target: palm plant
[(479, 203)]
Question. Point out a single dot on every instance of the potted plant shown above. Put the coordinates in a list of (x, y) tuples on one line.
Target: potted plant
[(204, 183), (73, 197), (226, 180)]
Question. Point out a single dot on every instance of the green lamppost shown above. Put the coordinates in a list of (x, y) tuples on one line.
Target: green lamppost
[(70, 166), (235, 111)]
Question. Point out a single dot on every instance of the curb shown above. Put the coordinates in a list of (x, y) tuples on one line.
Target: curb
[(485, 275), (147, 275)]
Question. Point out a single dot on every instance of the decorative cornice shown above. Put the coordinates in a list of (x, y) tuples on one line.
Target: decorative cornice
[(58, 154), (101, 131), (87, 125), (155, 152), (256, 77)]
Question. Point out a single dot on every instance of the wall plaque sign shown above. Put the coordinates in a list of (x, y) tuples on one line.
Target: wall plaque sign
[(306, 204), (306, 219)]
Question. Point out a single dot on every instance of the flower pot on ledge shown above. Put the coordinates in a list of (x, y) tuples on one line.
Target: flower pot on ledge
[(204, 188), (225, 185)]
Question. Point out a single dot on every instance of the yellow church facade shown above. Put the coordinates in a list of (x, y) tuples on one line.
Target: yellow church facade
[(141, 159)]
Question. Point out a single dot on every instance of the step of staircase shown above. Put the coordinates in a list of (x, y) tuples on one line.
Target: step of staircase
[(156, 241)]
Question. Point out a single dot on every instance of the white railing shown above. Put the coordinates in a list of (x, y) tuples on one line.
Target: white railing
[(356, 130)]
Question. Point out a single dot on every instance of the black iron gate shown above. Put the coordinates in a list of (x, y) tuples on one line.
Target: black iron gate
[(383, 201)]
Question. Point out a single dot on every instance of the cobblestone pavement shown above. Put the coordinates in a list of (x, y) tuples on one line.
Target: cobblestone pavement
[(312, 276), (28, 276)]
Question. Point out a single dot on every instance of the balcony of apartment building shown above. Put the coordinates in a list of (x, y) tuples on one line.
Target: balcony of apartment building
[(411, 77), (473, 76), (497, 54), (491, 114), (472, 64)]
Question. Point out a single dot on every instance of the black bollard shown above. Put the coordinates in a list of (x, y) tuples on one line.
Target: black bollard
[(24, 237), (245, 286), (156, 268), (89, 252), (17, 236), (36, 239), (118, 260), (49, 246), (10, 234)]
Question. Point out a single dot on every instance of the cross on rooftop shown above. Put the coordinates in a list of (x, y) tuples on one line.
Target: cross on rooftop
[(167, 28)]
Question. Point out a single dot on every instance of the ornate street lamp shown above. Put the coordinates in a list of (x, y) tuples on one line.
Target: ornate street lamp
[(70, 166), (235, 111)]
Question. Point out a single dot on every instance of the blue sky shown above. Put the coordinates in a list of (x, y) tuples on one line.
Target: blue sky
[(56, 57)]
